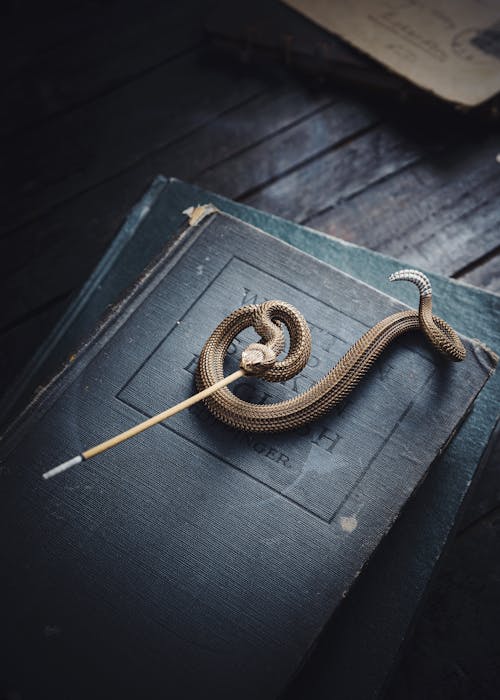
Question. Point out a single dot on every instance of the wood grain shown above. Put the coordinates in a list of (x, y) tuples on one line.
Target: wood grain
[(19, 342), (104, 49), (94, 216), (83, 148), (285, 150), (440, 213), (486, 275), (336, 175)]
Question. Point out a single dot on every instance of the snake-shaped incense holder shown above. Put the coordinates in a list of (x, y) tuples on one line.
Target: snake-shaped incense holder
[(261, 359)]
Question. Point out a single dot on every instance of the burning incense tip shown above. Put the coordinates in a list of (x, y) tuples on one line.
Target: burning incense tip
[(62, 467)]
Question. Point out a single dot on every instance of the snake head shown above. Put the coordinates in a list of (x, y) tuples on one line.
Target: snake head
[(257, 358)]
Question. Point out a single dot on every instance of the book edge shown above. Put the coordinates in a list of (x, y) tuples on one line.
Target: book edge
[(109, 323)]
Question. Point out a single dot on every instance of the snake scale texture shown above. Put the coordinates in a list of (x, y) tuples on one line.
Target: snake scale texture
[(260, 359)]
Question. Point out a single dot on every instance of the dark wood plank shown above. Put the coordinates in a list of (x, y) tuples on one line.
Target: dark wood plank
[(93, 217), (338, 174), (31, 289), (485, 275), (80, 149), (269, 160), (103, 48), (440, 213), (19, 343), (28, 29)]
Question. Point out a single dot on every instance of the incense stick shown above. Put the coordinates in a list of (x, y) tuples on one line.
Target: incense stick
[(140, 427)]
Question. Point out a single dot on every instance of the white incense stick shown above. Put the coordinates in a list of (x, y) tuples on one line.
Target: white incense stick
[(103, 446)]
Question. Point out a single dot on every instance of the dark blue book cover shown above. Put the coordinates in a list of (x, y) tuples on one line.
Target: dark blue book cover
[(208, 559)]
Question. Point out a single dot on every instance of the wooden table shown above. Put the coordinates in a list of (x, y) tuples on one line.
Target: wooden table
[(99, 98)]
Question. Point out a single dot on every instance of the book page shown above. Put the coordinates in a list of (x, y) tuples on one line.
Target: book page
[(450, 47)]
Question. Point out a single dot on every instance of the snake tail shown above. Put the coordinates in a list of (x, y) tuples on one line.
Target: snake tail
[(439, 333)]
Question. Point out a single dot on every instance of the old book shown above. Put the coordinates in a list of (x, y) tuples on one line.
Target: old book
[(249, 613), (382, 605), (451, 49)]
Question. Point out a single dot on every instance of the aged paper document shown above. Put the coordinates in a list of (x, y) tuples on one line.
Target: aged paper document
[(450, 47)]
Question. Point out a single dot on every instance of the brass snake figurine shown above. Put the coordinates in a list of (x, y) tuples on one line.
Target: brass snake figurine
[(260, 359)]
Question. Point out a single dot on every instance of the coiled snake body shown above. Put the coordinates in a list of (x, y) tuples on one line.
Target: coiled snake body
[(260, 359)]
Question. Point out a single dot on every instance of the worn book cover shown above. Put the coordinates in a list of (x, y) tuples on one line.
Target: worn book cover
[(203, 558)]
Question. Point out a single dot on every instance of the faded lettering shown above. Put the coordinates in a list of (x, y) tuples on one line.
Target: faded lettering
[(326, 439), (270, 452)]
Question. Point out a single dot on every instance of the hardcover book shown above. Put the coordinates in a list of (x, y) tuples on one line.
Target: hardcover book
[(210, 560)]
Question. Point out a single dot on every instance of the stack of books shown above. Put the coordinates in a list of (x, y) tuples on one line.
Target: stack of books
[(195, 559)]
